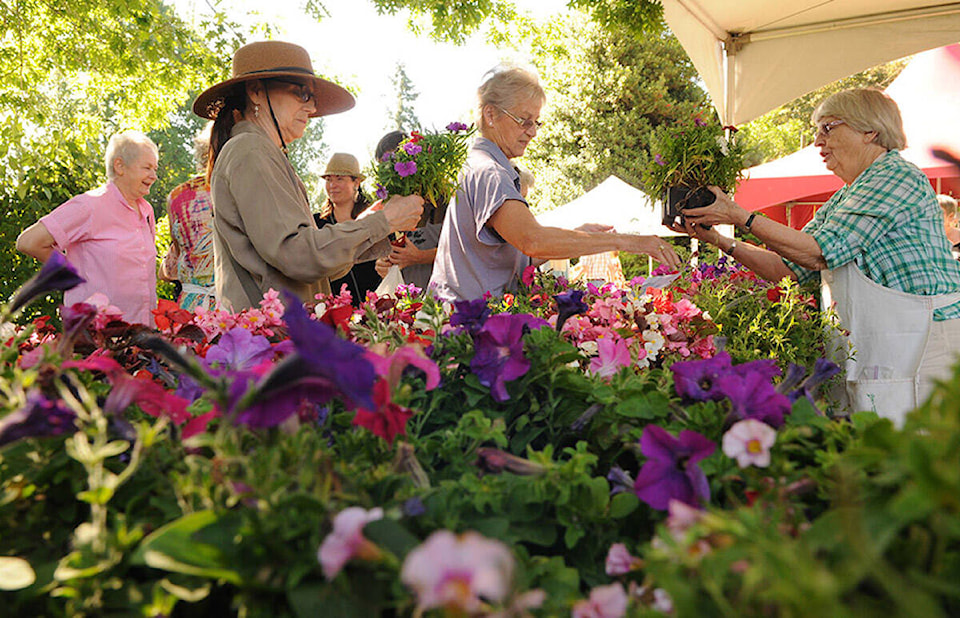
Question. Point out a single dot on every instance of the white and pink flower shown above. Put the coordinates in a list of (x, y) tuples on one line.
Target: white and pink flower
[(604, 602), (456, 572), (346, 541), (749, 442)]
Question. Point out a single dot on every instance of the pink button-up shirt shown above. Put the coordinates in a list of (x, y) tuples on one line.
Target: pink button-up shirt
[(111, 244)]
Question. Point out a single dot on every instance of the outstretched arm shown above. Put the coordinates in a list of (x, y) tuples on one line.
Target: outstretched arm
[(516, 225)]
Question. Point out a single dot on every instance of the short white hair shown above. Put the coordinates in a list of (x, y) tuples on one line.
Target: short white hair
[(127, 147)]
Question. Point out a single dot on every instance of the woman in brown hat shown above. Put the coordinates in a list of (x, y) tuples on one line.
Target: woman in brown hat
[(264, 234), (346, 202)]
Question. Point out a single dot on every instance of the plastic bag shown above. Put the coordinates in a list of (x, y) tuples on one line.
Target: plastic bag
[(390, 282)]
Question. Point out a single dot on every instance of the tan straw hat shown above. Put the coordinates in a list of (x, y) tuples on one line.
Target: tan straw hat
[(343, 164), (267, 59)]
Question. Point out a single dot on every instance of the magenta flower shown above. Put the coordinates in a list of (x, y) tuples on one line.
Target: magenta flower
[(749, 442), (671, 470), (498, 356), (55, 274), (613, 355), (39, 418), (405, 168), (604, 602), (346, 541), (658, 159), (382, 192), (456, 127), (386, 156), (458, 573), (699, 122), (412, 149)]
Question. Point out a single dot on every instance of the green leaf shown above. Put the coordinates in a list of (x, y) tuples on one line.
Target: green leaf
[(196, 544), (623, 504), (101, 495), (390, 535), (646, 406)]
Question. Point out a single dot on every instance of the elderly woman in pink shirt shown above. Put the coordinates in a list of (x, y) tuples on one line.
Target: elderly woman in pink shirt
[(108, 233)]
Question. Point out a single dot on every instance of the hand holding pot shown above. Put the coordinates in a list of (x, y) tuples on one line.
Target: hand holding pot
[(722, 211)]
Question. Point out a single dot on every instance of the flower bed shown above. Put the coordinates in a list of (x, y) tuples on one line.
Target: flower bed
[(560, 451)]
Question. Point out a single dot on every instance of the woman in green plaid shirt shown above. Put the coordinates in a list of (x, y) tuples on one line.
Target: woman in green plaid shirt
[(877, 242)]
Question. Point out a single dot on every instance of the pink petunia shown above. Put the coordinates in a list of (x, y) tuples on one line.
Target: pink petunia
[(613, 355), (346, 540), (604, 602), (456, 572), (749, 442)]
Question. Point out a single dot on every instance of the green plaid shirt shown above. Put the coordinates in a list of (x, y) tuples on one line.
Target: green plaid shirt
[(889, 223)]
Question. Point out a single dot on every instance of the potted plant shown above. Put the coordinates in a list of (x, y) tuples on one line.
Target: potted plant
[(687, 157)]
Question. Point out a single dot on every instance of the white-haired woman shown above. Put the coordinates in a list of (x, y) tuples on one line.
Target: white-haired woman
[(108, 233), (489, 234), (263, 231), (877, 245)]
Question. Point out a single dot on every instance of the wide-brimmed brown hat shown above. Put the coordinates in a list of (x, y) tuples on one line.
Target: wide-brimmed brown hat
[(343, 164), (266, 59)]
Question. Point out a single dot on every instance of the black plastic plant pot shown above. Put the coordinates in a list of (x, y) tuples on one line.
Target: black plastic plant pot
[(681, 197)]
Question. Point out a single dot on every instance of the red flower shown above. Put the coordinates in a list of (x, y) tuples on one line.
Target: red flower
[(415, 137), (389, 420), (774, 295), (338, 317), (169, 316)]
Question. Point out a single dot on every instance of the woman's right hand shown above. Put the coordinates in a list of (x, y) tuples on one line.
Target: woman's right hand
[(382, 266), (722, 211), (403, 212)]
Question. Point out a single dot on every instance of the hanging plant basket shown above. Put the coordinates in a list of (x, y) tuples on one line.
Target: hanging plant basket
[(681, 197)]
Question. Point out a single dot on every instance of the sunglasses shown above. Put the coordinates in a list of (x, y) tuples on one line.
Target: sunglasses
[(302, 92), (525, 123)]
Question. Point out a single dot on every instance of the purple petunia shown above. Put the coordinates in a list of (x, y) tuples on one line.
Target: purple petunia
[(455, 127), (382, 192), (56, 274), (671, 471), (238, 348), (752, 395), (342, 362), (699, 122), (696, 380), (658, 159), (569, 304), (469, 315), (412, 149), (39, 418), (386, 156), (405, 168), (498, 356)]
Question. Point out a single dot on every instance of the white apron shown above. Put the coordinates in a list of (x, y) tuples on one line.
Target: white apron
[(888, 332)]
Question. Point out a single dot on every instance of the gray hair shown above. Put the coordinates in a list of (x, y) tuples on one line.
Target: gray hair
[(866, 110), (948, 204), (127, 147), (504, 86)]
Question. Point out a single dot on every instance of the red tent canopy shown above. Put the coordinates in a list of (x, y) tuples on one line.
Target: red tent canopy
[(928, 92)]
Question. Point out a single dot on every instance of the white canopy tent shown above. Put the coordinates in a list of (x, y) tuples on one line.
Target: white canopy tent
[(613, 202), (755, 55)]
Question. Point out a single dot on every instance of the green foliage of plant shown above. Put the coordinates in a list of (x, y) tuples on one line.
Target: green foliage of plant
[(694, 152), (424, 164)]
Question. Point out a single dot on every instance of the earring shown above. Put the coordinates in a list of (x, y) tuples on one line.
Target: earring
[(256, 110)]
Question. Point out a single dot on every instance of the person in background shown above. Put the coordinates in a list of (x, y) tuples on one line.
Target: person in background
[(877, 246), (345, 202), (264, 234), (108, 233), (601, 268), (949, 207), (489, 235), (416, 252), (190, 257)]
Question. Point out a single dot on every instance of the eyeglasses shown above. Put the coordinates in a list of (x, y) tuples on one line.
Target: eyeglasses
[(827, 128), (302, 92), (525, 123)]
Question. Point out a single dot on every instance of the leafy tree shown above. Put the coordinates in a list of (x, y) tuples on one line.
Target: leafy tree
[(403, 117), (607, 90), (787, 128), (72, 74)]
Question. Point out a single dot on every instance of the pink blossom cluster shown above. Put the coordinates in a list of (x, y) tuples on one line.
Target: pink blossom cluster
[(262, 321), (621, 329)]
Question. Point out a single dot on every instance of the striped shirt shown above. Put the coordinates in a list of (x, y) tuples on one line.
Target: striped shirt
[(889, 224)]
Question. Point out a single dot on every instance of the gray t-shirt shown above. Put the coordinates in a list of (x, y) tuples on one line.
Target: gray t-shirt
[(472, 258), (424, 238)]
